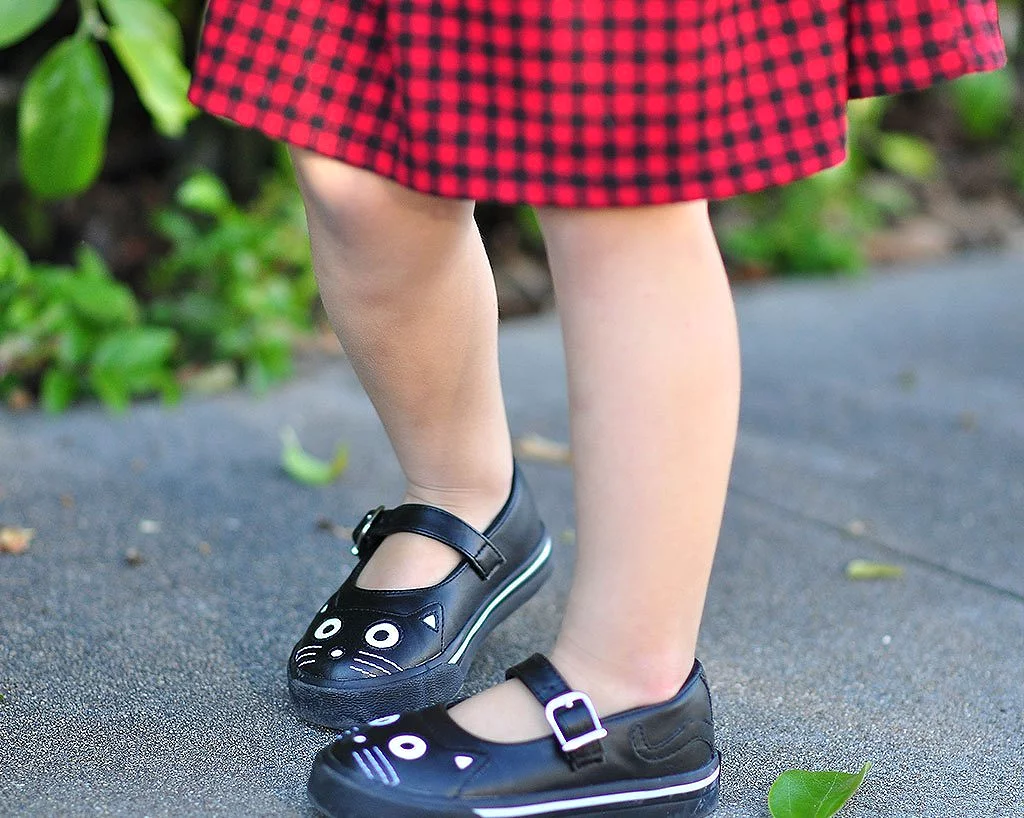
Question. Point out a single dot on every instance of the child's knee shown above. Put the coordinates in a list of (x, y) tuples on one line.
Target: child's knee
[(359, 208)]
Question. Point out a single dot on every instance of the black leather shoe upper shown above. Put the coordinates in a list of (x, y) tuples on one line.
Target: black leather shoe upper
[(426, 755), (361, 635)]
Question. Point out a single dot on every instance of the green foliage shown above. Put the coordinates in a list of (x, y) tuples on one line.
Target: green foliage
[(148, 42), (814, 225), (76, 331), (985, 102), (63, 117), (21, 18), (238, 284), (64, 110), (236, 289), (804, 794)]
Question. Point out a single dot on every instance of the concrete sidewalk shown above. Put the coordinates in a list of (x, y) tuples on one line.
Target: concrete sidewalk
[(883, 419)]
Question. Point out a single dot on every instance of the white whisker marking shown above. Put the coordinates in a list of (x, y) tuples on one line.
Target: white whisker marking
[(371, 664), (395, 665)]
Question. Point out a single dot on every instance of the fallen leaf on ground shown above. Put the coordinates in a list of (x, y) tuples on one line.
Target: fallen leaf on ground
[(204, 548), (20, 400), (536, 447), (134, 557), (67, 501), (302, 466), (806, 794), (866, 569), (209, 380), (149, 527), (15, 540)]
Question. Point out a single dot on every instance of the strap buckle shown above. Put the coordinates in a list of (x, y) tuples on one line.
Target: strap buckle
[(364, 526), (567, 701)]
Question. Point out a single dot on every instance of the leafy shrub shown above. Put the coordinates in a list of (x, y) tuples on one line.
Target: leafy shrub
[(66, 102), (74, 330), (238, 284)]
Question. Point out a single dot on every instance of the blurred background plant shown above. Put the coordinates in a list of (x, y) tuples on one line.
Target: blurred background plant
[(145, 250)]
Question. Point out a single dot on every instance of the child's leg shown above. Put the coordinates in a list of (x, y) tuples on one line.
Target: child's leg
[(653, 361), (408, 287)]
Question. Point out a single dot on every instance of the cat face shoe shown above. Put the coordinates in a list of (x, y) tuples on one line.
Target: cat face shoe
[(658, 760), (372, 652)]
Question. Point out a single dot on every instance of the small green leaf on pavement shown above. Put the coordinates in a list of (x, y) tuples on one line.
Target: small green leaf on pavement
[(866, 569), (806, 794), (304, 467)]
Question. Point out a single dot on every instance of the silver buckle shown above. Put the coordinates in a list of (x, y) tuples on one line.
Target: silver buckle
[(566, 702), (363, 526)]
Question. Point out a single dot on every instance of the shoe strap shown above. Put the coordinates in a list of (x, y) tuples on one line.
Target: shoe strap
[(570, 713), (432, 522)]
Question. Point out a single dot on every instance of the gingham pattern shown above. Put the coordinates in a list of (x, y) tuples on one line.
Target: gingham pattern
[(578, 102)]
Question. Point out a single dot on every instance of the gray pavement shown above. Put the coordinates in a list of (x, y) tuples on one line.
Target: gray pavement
[(883, 419)]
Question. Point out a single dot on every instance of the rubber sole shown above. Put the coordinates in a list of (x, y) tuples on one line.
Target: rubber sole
[(434, 682), (688, 796)]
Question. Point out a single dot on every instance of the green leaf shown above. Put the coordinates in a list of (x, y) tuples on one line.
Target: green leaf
[(805, 794), (146, 18), (907, 155), (131, 361), (204, 193), (96, 296), (19, 18), (985, 101), (14, 266), (159, 76), (63, 118), (866, 569), (302, 466), (58, 390)]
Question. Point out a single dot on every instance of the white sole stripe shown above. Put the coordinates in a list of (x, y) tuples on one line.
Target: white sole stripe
[(529, 572), (547, 807)]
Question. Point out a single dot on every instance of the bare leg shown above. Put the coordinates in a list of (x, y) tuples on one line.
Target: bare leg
[(653, 361), (408, 287)]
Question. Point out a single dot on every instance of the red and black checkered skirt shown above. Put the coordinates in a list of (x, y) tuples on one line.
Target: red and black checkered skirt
[(578, 102)]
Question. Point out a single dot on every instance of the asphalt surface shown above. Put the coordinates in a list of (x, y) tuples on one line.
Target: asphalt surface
[(883, 419)]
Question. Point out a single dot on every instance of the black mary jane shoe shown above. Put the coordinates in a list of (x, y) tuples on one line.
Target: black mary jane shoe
[(658, 760), (372, 652)]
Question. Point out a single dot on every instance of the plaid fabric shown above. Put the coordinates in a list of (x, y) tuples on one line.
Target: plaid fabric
[(578, 102)]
